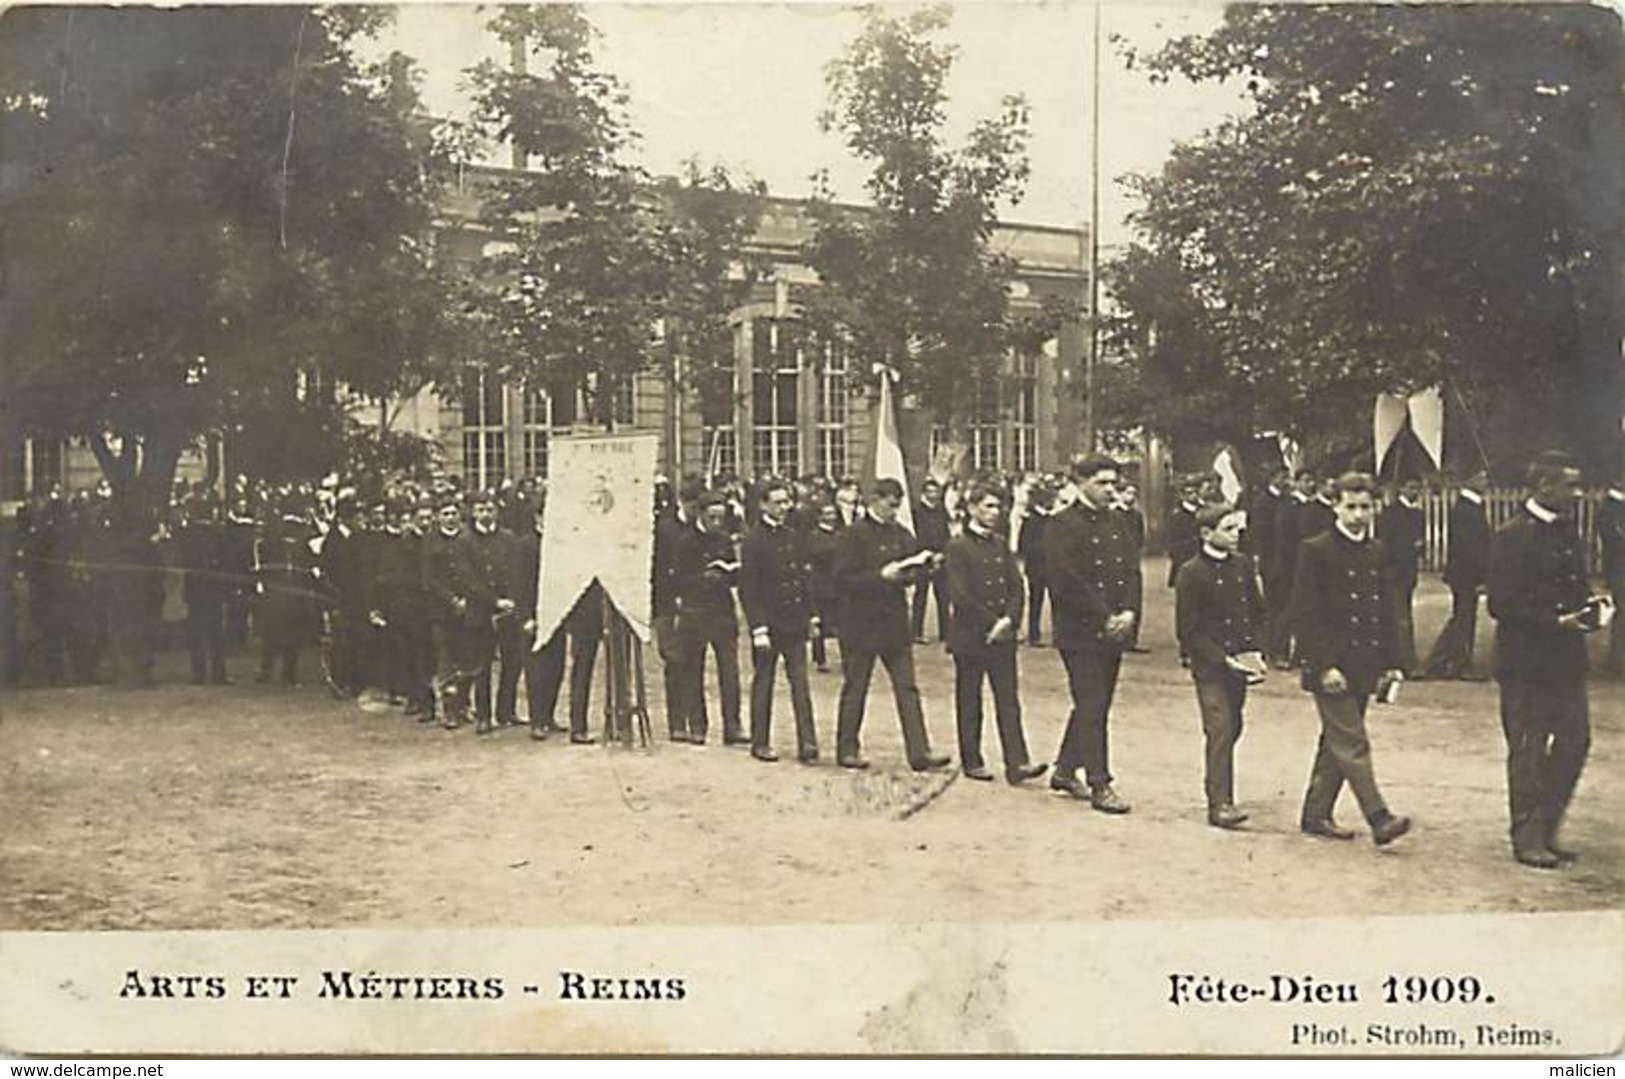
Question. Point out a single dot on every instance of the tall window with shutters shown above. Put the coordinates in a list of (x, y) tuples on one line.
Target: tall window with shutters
[(775, 381), (485, 436)]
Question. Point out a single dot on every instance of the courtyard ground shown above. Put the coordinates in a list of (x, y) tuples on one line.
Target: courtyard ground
[(257, 807)]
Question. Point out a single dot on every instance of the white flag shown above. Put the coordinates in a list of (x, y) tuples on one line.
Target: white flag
[(598, 524), (889, 449)]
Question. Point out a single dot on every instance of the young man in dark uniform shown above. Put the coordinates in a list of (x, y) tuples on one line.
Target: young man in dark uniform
[(457, 652), (1466, 569), (1346, 639), (1094, 574), (931, 529), (1219, 619), (672, 528), (985, 588), (491, 558), (200, 547), (706, 568), (775, 588), (873, 569), (1543, 609), (1287, 539), (1182, 537)]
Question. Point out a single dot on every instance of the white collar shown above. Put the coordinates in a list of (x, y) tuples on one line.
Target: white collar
[(770, 522), (977, 529), (1403, 501), (478, 531), (1471, 495), (1214, 553), (1617, 494), (1350, 536), (1324, 501), (1189, 507), (1301, 498), (1539, 512), (1083, 500)]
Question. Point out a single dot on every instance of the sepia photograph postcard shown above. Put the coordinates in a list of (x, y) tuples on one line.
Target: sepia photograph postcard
[(991, 528)]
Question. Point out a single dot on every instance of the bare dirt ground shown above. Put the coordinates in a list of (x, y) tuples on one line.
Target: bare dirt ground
[(256, 807)]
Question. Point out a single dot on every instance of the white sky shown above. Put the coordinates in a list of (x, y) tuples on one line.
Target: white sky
[(743, 84)]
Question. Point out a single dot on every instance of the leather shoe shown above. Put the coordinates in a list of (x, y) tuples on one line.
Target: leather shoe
[(1107, 801), (538, 733), (1539, 858), (931, 762), (1389, 830), (735, 739), (1226, 817), (1071, 785), (1026, 772), (852, 762), (1472, 676), (807, 756), (764, 754), (1562, 854), (980, 772), (582, 739), (1325, 829)]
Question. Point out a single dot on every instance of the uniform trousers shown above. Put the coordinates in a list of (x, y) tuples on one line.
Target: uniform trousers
[(936, 584), (792, 648), (1342, 756), (1278, 605), (857, 665), (674, 670), (1220, 699), (1452, 653), (544, 674), (1548, 731), (1616, 632), (995, 665), (699, 630), (206, 639), (1091, 675), (1037, 589), (1401, 591)]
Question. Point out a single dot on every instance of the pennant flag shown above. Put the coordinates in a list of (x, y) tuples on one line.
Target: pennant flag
[(1427, 422), (1386, 425), (598, 524), (889, 448), (1229, 480)]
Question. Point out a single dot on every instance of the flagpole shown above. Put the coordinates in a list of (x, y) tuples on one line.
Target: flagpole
[(1094, 250)]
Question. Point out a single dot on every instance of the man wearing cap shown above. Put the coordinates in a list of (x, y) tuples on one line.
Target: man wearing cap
[(875, 562)]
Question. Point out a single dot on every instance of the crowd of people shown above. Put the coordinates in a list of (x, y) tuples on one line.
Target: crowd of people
[(425, 596)]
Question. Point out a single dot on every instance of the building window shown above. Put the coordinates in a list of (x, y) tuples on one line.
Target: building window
[(1024, 413), (775, 382), (834, 400), (721, 451), (44, 464), (535, 430), (984, 450), (485, 438)]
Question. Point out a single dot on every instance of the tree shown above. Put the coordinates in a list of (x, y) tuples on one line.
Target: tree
[(1419, 195), (601, 256), (196, 203), (913, 283)]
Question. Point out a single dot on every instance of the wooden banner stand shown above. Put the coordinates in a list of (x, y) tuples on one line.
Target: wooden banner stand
[(626, 706)]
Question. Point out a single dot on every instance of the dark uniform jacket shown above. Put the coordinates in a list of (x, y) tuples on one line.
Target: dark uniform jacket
[(1537, 573), (489, 565), (1094, 571), (1468, 563), (821, 546), (527, 572), (445, 575), (200, 555), (775, 579), (1030, 541), (1340, 612), (1260, 536), (1315, 518), (701, 581), (931, 526), (1218, 611), (1288, 534), (874, 612), (984, 585), (1183, 539), (1402, 531), (344, 569), (669, 535)]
